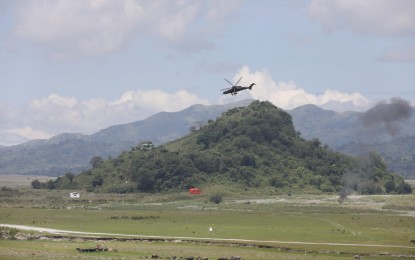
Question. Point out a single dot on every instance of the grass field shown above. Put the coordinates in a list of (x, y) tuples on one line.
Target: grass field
[(21, 181), (267, 227)]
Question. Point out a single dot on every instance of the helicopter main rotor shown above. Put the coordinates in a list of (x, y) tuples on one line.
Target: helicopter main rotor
[(233, 85)]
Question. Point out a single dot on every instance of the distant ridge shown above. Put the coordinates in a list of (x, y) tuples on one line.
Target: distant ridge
[(344, 132), (70, 152)]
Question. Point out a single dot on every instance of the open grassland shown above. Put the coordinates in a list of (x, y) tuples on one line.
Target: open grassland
[(21, 181), (36, 249), (248, 225)]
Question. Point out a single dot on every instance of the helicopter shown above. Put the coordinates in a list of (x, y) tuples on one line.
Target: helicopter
[(235, 89)]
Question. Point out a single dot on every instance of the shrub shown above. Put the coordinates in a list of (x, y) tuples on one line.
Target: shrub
[(8, 233), (404, 188), (36, 184), (216, 198)]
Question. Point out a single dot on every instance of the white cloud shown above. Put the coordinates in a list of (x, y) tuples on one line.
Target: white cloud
[(8, 138), (219, 11), (173, 18), (382, 18), (288, 96), (157, 100), (79, 28), (28, 133), (377, 17), (217, 67), (55, 114), (402, 54), (8, 116)]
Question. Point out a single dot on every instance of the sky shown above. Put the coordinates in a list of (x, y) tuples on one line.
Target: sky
[(80, 66)]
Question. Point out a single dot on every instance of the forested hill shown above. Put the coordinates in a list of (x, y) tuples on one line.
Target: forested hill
[(254, 146)]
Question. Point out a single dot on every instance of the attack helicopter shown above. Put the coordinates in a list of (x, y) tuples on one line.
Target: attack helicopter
[(235, 88)]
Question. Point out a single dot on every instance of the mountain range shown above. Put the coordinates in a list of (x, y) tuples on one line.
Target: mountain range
[(346, 132)]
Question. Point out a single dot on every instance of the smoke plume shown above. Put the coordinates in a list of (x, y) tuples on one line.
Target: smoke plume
[(387, 115), (351, 182)]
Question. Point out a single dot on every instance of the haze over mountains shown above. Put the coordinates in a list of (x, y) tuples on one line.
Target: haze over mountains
[(382, 123), (390, 131)]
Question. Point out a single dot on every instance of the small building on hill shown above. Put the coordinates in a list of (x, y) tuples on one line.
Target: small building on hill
[(147, 146)]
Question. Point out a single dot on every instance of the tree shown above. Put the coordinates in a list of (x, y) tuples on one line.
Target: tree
[(404, 188), (51, 185), (370, 189), (69, 176), (146, 180), (277, 182), (96, 161), (97, 181), (248, 160), (390, 186), (36, 184)]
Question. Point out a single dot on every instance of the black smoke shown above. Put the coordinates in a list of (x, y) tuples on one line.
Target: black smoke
[(387, 115)]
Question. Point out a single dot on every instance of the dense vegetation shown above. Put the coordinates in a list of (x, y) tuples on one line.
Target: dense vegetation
[(397, 153), (251, 147)]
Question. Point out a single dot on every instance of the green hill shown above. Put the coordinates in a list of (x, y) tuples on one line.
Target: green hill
[(72, 152), (250, 147)]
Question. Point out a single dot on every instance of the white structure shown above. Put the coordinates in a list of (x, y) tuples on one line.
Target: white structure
[(74, 195), (146, 146)]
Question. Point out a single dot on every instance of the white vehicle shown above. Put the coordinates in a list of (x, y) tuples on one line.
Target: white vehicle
[(74, 195)]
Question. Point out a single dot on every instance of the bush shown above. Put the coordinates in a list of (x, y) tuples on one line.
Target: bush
[(8, 233), (390, 186), (404, 188), (216, 198), (36, 184)]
